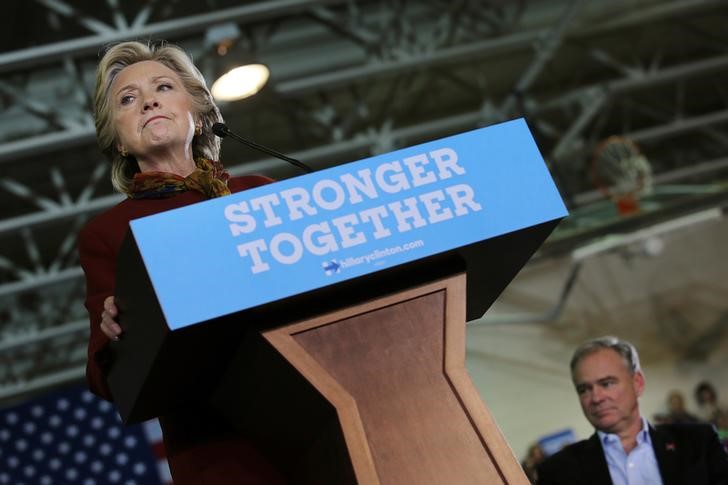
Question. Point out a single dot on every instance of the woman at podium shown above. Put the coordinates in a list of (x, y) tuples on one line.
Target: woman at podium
[(154, 117)]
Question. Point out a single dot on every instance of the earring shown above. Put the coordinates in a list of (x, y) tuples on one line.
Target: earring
[(123, 152), (198, 130)]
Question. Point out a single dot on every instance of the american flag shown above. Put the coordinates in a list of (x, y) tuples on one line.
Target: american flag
[(73, 437)]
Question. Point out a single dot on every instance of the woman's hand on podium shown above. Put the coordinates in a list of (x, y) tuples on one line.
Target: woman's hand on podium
[(109, 325)]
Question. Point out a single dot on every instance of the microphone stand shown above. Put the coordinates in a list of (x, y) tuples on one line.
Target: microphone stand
[(221, 130)]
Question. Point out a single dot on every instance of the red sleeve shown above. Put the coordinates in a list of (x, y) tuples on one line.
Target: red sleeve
[(98, 246), (98, 261)]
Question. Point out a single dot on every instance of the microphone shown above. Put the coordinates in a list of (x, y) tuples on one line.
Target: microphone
[(221, 130)]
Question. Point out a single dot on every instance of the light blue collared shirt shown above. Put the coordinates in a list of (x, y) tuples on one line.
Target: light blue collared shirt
[(639, 467)]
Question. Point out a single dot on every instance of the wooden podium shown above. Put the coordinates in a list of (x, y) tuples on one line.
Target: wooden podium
[(358, 382), (401, 406)]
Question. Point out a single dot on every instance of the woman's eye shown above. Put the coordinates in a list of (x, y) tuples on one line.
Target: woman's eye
[(126, 99), (164, 87)]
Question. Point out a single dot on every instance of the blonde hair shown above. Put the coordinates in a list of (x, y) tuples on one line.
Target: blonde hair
[(119, 56)]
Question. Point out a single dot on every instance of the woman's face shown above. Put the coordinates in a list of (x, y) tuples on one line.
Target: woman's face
[(152, 110)]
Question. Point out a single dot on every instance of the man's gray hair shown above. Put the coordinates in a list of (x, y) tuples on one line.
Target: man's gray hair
[(625, 350)]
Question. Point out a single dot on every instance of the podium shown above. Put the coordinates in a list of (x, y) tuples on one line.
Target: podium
[(344, 361)]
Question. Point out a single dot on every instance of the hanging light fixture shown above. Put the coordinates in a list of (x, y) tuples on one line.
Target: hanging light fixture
[(242, 75), (240, 82)]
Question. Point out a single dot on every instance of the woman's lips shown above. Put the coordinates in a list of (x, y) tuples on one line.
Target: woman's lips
[(154, 118)]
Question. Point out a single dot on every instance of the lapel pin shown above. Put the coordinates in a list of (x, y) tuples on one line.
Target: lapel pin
[(670, 446)]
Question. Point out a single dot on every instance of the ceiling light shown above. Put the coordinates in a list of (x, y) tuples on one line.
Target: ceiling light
[(243, 76), (240, 82)]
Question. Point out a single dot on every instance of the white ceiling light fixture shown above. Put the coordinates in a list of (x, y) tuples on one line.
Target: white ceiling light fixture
[(240, 82), (242, 76)]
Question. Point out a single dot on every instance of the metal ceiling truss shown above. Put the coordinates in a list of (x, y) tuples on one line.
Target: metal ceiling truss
[(350, 78)]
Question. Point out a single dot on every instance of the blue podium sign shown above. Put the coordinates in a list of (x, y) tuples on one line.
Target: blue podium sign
[(308, 232)]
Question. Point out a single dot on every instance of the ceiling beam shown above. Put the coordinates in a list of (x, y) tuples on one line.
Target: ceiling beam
[(34, 56)]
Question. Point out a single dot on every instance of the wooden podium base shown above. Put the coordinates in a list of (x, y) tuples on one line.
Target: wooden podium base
[(376, 393)]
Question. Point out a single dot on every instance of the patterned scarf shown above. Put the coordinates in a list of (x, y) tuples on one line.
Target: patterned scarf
[(209, 178)]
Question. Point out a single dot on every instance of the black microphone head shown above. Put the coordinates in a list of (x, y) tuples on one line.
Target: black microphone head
[(220, 129)]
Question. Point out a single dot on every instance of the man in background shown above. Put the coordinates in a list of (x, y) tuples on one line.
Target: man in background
[(626, 449)]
